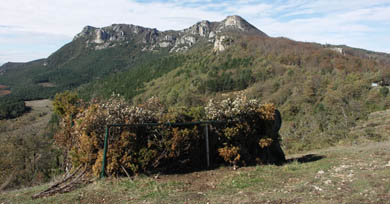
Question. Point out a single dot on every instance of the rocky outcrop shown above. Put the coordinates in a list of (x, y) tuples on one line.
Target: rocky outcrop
[(175, 41), (219, 44), (239, 24)]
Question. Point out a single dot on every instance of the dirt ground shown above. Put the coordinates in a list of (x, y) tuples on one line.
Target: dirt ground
[(3, 90), (46, 84)]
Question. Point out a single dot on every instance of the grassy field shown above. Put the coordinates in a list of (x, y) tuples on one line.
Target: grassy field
[(27, 156), (353, 174), (32, 123)]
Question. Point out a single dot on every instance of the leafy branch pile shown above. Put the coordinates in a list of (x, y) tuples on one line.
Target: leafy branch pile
[(250, 136), (244, 137)]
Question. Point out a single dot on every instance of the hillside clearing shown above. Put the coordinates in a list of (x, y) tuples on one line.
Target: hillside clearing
[(4, 90), (35, 121), (27, 156), (353, 174), (46, 84)]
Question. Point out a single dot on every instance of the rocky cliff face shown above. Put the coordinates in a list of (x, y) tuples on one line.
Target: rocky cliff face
[(216, 33)]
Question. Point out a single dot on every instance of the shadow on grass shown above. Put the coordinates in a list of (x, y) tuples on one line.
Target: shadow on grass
[(306, 158)]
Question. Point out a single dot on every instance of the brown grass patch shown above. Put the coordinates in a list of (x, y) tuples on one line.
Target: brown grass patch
[(46, 84), (44, 103), (4, 92)]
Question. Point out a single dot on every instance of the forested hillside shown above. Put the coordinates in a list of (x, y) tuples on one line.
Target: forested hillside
[(321, 91)]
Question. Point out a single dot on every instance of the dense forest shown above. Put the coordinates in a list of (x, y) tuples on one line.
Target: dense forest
[(11, 108)]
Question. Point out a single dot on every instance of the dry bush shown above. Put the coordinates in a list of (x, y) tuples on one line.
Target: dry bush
[(168, 147), (249, 130)]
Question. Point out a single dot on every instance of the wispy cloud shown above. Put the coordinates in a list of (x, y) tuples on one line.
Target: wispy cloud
[(360, 23)]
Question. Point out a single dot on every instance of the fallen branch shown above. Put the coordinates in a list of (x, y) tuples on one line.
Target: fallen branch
[(8, 181), (127, 173), (63, 180), (59, 187)]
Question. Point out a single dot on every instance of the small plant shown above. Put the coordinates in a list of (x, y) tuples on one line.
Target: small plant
[(384, 91)]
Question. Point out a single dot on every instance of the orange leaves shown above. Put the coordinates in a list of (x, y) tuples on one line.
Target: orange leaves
[(231, 132), (265, 142), (267, 111), (230, 154)]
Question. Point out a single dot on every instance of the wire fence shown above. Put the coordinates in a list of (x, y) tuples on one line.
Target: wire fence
[(200, 124)]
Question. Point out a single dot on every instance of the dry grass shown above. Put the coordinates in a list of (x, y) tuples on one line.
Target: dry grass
[(354, 174), (33, 122), (375, 128), (47, 84), (4, 90)]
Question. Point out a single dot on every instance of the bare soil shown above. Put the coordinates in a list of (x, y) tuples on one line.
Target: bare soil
[(46, 84), (4, 90)]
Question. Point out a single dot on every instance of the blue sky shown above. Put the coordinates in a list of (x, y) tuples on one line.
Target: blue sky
[(32, 29)]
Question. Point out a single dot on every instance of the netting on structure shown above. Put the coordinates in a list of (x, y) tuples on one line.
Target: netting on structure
[(155, 138)]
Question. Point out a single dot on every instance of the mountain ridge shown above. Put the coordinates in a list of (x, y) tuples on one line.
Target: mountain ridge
[(174, 40), (185, 38), (97, 53)]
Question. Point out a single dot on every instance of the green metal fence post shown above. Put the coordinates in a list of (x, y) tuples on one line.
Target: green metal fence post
[(206, 130), (71, 121), (105, 151)]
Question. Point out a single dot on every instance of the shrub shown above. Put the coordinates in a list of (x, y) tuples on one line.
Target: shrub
[(384, 91), (241, 139)]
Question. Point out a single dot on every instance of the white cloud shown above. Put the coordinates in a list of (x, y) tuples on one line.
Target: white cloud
[(19, 56), (251, 9), (69, 16)]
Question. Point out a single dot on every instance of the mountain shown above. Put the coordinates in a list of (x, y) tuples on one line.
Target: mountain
[(189, 66), (97, 52)]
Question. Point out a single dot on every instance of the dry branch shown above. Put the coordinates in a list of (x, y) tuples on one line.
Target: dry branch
[(62, 186), (8, 181)]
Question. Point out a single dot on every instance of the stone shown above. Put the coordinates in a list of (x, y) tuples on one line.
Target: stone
[(218, 44), (164, 44), (211, 34), (234, 21), (101, 36), (327, 182), (214, 33)]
